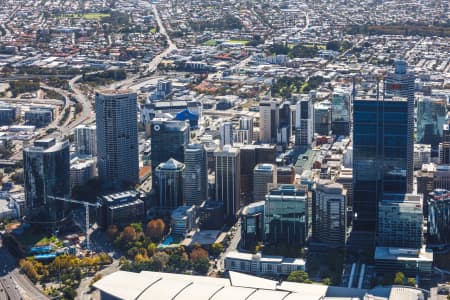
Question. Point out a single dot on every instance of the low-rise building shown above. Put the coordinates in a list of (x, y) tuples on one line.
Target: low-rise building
[(259, 264), (120, 208), (412, 262), (183, 220), (81, 170)]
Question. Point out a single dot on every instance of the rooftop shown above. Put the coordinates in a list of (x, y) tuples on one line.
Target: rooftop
[(162, 286)]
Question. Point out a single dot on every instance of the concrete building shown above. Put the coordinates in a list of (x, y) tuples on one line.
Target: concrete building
[(85, 139), (169, 176), (263, 175), (120, 209), (345, 178), (244, 134), (422, 155), (38, 116), (227, 179), (329, 214), (304, 122), (195, 183), (259, 264), (268, 122), (117, 140), (81, 170), (400, 221), (46, 173), (442, 177), (286, 215), (412, 262), (285, 175)]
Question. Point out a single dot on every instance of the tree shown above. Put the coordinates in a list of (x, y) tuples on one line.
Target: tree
[(28, 268), (333, 45), (155, 229), (159, 261), (151, 249), (198, 253), (201, 265), (216, 249), (299, 276), (412, 281), (129, 234), (111, 232), (399, 278), (326, 281)]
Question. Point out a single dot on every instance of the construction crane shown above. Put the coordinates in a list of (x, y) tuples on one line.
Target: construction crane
[(86, 207)]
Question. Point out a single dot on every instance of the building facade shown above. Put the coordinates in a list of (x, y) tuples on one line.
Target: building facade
[(431, 117), (169, 176), (117, 138), (195, 183), (85, 139), (286, 215), (46, 173), (439, 217), (329, 214), (263, 174), (227, 179), (304, 122), (400, 221), (322, 118), (340, 112), (382, 155)]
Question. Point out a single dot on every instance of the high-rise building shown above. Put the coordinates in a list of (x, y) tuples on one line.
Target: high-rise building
[(117, 139), (85, 139), (244, 134), (444, 146), (402, 83), (322, 117), (284, 130), (169, 176), (442, 177), (195, 181), (439, 217), (268, 121), (304, 124), (431, 118), (329, 209), (340, 112), (226, 134), (228, 179), (400, 221), (169, 138), (46, 167), (263, 174), (286, 215), (382, 155)]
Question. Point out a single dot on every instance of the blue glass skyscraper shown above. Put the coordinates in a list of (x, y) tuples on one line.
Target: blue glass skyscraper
[(381, 154)]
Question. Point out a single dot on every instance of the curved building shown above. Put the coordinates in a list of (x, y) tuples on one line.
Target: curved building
[(46, 173), (169, 176)]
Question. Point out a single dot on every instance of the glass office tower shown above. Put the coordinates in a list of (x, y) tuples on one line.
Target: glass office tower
[(381, 155)]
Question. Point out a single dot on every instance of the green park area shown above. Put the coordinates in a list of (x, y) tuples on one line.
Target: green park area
[(88, 16), (210, 43)]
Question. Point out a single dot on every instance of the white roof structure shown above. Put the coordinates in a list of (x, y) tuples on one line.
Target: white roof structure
[(166, 286)]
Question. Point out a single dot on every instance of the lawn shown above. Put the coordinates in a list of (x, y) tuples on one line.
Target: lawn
[(88, 16), (243, 42), (210, 43)]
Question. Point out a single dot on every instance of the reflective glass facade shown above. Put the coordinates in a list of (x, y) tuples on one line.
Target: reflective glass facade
[(380, 155)]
